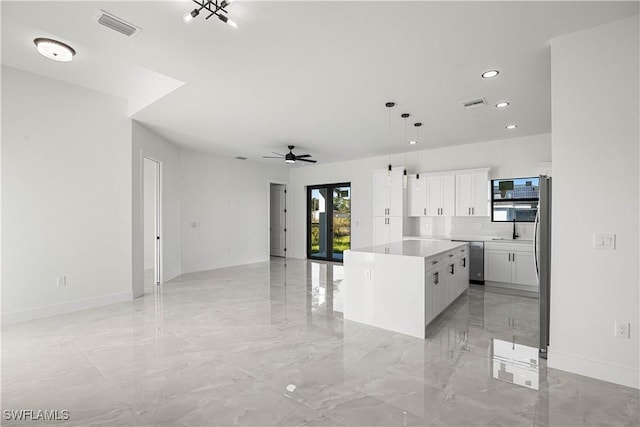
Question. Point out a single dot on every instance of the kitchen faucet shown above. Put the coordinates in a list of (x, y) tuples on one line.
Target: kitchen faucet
[(515, 233)]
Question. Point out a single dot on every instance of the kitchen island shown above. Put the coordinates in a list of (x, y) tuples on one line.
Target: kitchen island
[(403, 286)]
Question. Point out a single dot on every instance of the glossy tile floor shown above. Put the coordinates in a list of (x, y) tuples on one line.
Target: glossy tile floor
[(263, 345)]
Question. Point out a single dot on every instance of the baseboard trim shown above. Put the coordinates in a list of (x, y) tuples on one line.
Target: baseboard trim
[(67, 307), (196, 268), (595, 369)]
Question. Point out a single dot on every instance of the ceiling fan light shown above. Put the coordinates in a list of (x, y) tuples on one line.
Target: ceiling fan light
[(290, 161)]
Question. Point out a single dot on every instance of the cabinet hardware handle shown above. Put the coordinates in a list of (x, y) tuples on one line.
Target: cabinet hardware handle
[(509, 256), (469, 211), (451, 265), (450, 255), (473, 211), (434, 262), (425, 211), (436, 278), (464, 262)]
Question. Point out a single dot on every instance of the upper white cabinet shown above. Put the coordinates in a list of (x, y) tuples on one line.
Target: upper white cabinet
[(441, 188), (417, 196), (472, 192), (388, 193)]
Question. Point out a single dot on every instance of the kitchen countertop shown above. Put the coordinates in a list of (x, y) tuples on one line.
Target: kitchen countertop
[(469, 239), (418, 248)]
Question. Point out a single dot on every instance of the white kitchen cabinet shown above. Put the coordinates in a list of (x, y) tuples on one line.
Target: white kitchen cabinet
[(441, 190), (386, 229), (447, 278), (510, 264), (472, 192), (388, 192), (416, 196), (388, 206)]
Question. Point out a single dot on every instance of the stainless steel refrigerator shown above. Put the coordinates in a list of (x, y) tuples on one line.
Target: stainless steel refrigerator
[(542, 258)]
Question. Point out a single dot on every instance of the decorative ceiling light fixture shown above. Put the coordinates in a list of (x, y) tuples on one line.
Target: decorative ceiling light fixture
[(511, 126), (53, 49), (214, 7), (502, 104)]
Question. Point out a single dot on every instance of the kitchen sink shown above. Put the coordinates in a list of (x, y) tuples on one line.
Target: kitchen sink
[(504, 239)]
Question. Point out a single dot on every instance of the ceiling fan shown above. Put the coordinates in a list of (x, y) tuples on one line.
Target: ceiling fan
[(290, 157)]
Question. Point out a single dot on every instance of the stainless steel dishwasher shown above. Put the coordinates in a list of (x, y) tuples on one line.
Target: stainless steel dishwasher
[(476, 261)]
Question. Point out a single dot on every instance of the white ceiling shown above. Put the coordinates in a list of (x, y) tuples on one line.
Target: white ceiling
[(313, 74)]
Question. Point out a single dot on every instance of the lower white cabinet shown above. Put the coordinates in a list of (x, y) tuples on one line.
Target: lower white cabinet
[(447, 278), (509, 263), (386, 229)]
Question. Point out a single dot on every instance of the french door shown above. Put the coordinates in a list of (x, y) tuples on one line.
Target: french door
[(328, 221)]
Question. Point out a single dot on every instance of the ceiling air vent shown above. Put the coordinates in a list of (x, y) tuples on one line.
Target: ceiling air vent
[(474, 103), (116, 24)]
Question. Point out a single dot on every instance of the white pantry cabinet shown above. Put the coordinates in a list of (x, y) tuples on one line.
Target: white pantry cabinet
[(386, 229), (416, 196), (388, 206), (388, 192), (510, 263), (472, 192), (441, 188)]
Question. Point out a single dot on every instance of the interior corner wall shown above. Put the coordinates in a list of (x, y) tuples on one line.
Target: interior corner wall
[(225, 210), (149, 144), (66, 197), (507, 157), (595, 113)]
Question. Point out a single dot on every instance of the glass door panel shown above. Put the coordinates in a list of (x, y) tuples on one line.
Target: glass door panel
[(318, 223), (341, 221), (329, 221)]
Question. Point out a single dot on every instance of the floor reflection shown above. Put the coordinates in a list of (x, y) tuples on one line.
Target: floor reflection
[(515, 363)]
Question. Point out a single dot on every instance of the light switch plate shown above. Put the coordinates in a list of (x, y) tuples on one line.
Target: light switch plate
[(604, 241)]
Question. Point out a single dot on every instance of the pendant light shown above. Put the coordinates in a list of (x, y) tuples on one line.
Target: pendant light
[(389, 105), (404, 138), (417, 126)]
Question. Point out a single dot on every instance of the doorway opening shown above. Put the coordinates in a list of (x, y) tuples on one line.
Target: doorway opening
[(328, 221), (151, 224), (278, 220)]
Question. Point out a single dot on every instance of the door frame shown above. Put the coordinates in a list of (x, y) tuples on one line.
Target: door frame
[(330, 187), (158, 215), (287, 204)]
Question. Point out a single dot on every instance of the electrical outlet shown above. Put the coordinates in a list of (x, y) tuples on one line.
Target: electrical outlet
[(427, 226), (62, 281), (622, 329)]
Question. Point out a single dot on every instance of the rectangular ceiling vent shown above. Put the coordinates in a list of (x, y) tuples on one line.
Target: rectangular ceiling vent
[(474, 103), (117, 24)]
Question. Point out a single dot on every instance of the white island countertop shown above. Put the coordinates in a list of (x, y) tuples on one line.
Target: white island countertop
[(415, 248)]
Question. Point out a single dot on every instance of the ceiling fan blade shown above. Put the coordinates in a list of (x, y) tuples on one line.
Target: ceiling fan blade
[(272, 157), (278, 154), (302, 155), (306, 160)]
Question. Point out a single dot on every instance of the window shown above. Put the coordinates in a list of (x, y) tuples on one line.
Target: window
[(514, 199)]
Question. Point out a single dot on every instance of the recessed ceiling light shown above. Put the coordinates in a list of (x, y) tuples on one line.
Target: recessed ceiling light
[(490, 73), (413, 142), (511, 126), (54, 49), (502, 104)]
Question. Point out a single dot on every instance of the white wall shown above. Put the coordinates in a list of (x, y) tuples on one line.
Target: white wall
[(508, 157), (147, 143), (225, 210), (66, 197), (595, 190)]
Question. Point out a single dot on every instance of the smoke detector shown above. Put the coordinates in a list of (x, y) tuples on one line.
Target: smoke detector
[(117, 24), (480, 102)]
